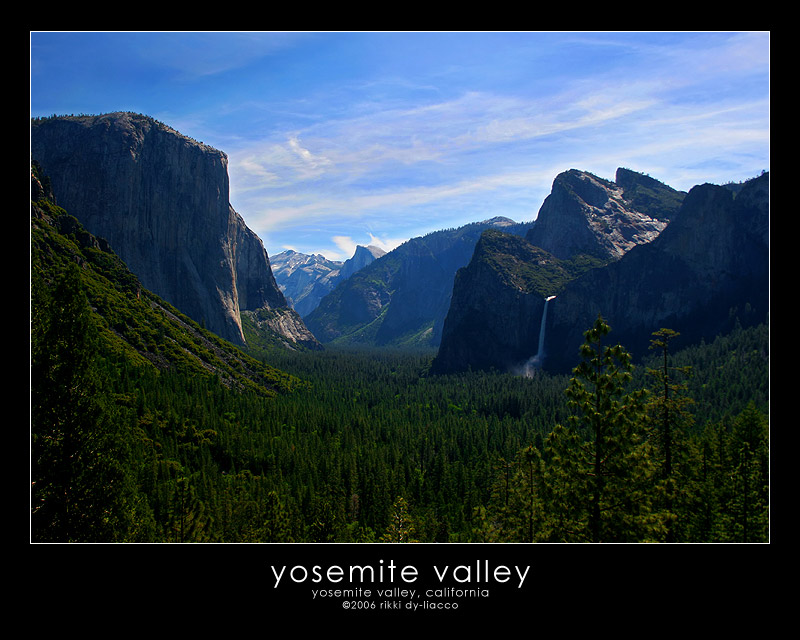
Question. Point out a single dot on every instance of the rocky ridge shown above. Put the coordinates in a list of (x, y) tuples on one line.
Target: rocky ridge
[(306, 279), (585, 214), (705, 273)]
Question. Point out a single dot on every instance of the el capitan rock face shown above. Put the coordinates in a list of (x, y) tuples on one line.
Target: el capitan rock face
[(161, 201)]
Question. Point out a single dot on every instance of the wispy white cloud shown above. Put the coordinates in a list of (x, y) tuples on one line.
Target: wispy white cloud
[(673, 106), (412, 158), (445, 140), (313, 163), (346, 245), (394, 134), (386, 243)]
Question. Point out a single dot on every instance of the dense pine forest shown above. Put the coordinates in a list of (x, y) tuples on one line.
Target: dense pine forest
[(131, 441)]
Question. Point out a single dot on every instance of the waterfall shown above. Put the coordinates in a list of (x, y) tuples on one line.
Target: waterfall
[(535, 362), (540, 352)]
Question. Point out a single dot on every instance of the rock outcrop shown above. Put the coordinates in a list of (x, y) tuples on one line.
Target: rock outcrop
[(362, 257), (161, 200), (585, 214), (708, 269), (497, 304), (304, 279)]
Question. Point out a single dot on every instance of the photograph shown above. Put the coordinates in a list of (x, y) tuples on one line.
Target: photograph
[(298, 298)]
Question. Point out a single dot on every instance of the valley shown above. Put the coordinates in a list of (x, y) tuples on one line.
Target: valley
[(177, 396)]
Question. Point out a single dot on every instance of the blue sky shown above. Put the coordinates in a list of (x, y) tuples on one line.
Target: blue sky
[(337, 139)]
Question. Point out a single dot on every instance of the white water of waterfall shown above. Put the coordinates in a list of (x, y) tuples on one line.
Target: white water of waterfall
[(536, 361)]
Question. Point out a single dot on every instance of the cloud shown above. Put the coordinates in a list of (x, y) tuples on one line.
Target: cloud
[(481, 148), (379, 135), (346, 244), (386, 243), (434, 144), (314, 163), (389, 206)]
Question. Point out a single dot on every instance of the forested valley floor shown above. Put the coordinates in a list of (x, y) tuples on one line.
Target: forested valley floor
[(366, 446)]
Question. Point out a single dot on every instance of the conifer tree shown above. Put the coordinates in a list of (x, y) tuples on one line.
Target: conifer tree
[(188, 521), (82, 487), (277, 526), (600, 470), (401, 525), (748, 506), (733, 480), (668, 407), (515, 512)]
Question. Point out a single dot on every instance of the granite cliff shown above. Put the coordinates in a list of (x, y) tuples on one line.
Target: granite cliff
[(304, 279), (705, 273), (588, 215), (160, 199), (497, 303), (589, 233)]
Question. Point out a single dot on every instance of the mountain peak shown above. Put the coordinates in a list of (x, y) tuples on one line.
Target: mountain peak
[(706, 272), (499, 221), (586, 214), (371, 249)]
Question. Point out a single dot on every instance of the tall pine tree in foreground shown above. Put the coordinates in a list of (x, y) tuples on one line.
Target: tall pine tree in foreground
[(668, 408), (600, 465)]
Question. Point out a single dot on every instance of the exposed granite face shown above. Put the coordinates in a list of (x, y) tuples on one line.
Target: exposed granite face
[(362, 257), (285, 324), (585, 214), (304, 279), (161, 200)]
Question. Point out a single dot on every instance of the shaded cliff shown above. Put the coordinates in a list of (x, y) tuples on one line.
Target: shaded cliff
[(707, 271), (585, 223), (161, 201), (497, 303)]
